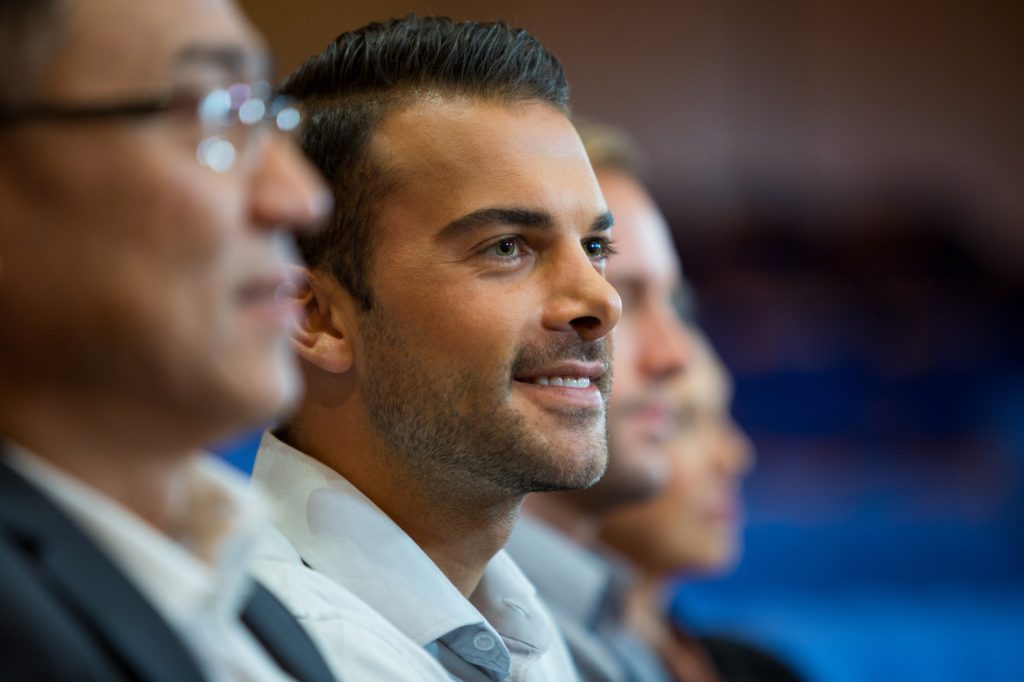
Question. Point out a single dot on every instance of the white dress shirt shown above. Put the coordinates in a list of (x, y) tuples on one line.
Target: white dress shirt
[(357, 642), (502, 632), (198, 582)]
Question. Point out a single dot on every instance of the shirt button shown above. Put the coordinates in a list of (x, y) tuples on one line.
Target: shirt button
[(483, 641)]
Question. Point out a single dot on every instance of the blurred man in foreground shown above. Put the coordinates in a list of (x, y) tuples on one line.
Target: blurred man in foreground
[(554, 540), (147, 199), (454, 342)]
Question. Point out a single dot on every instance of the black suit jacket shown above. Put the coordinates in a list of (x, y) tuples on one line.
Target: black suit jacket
[(68, 613)]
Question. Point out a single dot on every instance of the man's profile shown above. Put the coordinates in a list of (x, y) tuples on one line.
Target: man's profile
[(147, 193), (455, 342)]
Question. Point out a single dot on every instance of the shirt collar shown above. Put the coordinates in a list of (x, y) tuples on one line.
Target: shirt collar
[(573, 580), (342, 534), (203, 570)]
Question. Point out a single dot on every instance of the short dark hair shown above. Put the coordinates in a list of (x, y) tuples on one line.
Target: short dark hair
[(29, 32), (363, 75)]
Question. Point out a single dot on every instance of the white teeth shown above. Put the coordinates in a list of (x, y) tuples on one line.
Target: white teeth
[(571, 382)]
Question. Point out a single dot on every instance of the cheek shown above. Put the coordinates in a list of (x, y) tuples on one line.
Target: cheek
[(136, 248), (180, 252), (687, 489), (197, 228), (461, 321), (625, 360), (153, 208)]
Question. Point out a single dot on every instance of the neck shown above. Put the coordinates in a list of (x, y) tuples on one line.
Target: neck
[(645, 614), (112, 456), (460, 532), (460, 539)]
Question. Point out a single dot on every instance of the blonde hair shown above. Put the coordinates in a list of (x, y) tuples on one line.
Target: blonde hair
[(611, 148)]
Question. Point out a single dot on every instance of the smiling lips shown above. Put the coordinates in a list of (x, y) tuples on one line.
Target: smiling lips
[(571, 382), (566, 384)]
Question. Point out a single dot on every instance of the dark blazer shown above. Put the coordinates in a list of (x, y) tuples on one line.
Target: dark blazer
[(68, 613)]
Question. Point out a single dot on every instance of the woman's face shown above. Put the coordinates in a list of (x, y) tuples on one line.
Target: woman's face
[(693, 525)]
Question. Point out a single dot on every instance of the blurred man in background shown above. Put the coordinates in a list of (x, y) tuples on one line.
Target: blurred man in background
[(553, 541), (147, 201), (454, 342), (691, 527)]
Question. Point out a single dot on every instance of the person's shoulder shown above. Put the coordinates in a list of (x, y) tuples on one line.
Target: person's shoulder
[(308, 594), (39, 638), (358, 641)]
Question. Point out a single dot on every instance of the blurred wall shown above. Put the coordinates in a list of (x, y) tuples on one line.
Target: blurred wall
[(741, 101)]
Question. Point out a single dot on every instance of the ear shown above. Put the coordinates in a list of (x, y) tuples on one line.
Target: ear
[(321, 334)]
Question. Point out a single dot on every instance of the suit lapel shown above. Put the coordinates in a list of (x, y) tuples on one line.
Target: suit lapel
[(91, 586), (283, 637)]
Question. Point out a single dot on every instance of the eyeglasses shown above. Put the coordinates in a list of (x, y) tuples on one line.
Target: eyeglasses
[(230, 117)]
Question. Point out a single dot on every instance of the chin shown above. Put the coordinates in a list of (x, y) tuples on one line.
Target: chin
[(269, 391), (285, 390), (577, 469), (591, 469), (717, 560)]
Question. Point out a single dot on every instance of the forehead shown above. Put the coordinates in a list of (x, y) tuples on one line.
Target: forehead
[(120, 42), (451, 156), (642, 238)]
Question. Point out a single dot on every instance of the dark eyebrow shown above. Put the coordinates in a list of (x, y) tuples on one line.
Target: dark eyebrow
[(234, 58), (603, 222), (489, 217), (524, 217)]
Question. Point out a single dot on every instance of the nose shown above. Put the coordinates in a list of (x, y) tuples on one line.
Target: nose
[(584, 301), (667, 345), (287, 192)]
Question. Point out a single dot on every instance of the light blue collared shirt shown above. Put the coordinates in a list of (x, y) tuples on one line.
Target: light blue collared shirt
[(585, 592)]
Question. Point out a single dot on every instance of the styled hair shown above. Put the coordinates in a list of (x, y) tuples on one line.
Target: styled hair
[(347, 90), (29, 32)]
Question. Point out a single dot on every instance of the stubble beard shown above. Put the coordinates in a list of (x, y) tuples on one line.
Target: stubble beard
[(460, 435)]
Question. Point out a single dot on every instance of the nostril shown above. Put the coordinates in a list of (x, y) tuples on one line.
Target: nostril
[(588, 323)]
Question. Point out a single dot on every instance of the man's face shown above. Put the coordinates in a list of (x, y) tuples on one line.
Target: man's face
[(693, 525), (132, 275), (651, 345), (485, 360)]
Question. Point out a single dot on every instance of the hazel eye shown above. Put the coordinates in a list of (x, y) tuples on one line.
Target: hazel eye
[(597, 248), (507, 247)]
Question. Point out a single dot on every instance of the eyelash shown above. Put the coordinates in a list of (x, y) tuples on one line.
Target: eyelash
[(519, 243), (606, 243), (607, 247)]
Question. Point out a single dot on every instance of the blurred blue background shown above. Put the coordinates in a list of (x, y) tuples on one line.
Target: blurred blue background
[(880, 376)]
